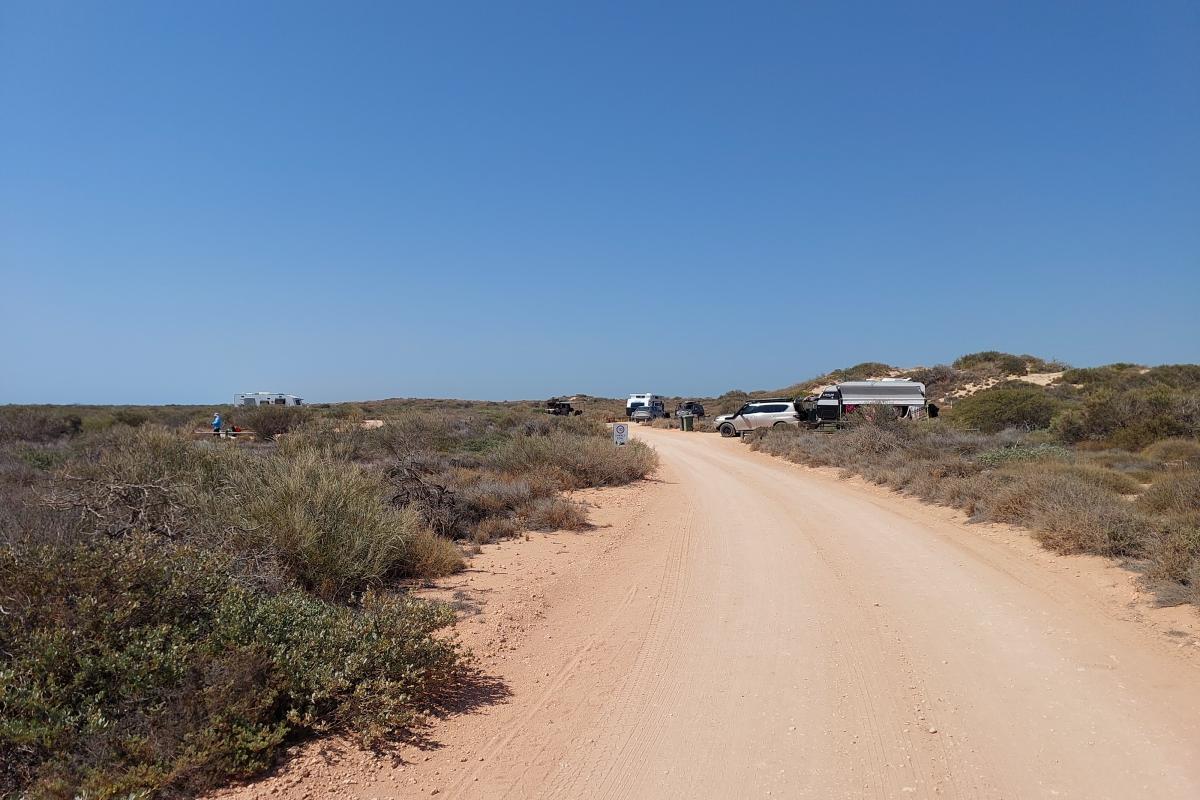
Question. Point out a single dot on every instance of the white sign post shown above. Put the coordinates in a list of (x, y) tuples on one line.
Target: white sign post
[(621, 433)]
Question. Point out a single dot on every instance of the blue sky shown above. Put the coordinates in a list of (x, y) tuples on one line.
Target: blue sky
[(494, 200)]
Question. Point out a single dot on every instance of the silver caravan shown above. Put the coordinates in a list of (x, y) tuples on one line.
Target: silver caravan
[(266, 399), (834, 402)]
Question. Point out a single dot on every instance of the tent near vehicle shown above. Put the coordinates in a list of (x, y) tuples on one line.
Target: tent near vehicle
[(834, 402)]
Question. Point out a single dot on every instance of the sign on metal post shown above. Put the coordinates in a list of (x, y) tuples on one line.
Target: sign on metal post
[(621, 433)]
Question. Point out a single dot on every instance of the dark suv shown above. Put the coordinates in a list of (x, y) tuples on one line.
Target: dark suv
[(690, 407)]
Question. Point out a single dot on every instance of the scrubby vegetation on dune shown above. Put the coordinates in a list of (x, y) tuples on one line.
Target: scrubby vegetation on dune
[(1102, 460), (176, 607)]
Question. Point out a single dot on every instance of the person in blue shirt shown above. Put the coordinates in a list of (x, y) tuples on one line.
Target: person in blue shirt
[(216, 423)]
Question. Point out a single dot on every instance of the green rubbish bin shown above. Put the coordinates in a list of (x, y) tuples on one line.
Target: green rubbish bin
[(688, 422)]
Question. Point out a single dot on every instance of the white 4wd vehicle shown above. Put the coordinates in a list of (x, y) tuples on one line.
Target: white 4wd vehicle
[(758, 414)]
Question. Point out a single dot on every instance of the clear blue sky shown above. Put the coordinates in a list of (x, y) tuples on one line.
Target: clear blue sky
[(509, 200)]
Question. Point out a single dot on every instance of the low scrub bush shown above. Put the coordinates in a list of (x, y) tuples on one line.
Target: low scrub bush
[(32, 424), (579, 461), (329, 526), (1018, 453), (994, 362), (322, 522), (493, 496), (1116, 482), (1068, 513), (937, 379), (174, 611), (1132, 418), (1185, 451), (555, 514), (1026, 406), (1174, 493), (493, 529), (137, 665), (1175, 556), (267, 422)]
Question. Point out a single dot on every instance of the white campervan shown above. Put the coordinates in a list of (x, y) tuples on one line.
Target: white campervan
[(266, 399), (655, 402)]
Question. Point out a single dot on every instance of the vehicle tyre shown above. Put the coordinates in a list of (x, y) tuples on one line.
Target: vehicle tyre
[(779, 424), (727, 430)]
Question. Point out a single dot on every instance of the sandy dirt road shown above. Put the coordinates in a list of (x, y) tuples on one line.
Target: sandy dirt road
[(748, 628)]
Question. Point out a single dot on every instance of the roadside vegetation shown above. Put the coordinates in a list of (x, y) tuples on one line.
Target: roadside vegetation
[(176, 607), (1103, 461)]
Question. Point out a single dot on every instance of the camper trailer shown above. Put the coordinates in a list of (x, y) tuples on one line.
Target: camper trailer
[(266, 399), (655, 402), (828, 407)]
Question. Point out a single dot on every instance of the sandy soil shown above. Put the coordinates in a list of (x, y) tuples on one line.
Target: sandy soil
[(744, 627), (1041, 378)]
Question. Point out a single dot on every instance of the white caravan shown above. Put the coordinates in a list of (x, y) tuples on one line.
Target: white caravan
[(266, 399), (653, 401)]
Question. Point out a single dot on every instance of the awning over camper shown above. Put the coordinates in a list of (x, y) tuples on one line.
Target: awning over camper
[(882, 393)]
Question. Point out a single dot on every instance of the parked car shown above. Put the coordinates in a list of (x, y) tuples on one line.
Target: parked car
[(561, 408), (690, 407), (647, 413), (758, 414), (636, 401)]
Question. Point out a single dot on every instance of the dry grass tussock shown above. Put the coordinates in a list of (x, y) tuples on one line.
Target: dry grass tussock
[(1074, 502), (555, 514), (575, 462)]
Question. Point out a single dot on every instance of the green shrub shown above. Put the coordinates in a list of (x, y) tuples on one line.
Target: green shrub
[(936, 378), (268, 421), (328, 524), (43, 457), (323, 522), (1035, 364), (1035, 452), (994, 362), (174, 611), (1119, 374), (1120, 377), (993, 410), (136, 664), (1070, 425), (130, 417), (1134, 418)]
